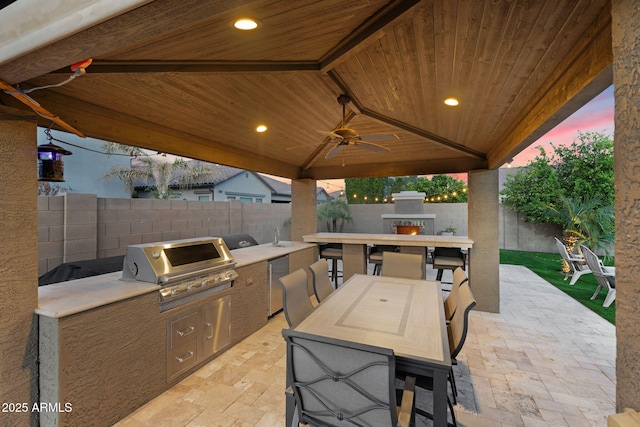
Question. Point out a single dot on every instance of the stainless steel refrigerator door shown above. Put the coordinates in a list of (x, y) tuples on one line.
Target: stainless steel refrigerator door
[(278, 267)]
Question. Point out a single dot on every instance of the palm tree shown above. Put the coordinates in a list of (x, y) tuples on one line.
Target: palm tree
[(335, 213), (584, 222), (158, 175)]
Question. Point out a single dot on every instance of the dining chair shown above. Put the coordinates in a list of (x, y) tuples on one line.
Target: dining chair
[(605, 275), (576, 264), (332, 252), (322, 286), (447, 259), (457, 334), (406, 266), (458, 328), (295, 297), (344, 383), (451, 302)]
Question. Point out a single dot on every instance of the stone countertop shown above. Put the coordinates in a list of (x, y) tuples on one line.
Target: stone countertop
[(266, 251), (391, 239), (74, 296)]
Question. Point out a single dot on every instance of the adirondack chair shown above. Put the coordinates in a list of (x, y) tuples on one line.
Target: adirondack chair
[(606, 276), (577, 266)]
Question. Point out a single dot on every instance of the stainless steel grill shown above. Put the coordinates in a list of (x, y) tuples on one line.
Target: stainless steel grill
[(182, 268)]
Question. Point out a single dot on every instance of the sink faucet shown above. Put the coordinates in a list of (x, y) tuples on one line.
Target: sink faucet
[(276, 237)]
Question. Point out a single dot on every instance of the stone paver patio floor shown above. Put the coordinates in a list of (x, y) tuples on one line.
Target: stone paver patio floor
[(545, 360)]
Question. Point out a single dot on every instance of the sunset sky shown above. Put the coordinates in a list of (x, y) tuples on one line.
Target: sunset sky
[(595, 116)]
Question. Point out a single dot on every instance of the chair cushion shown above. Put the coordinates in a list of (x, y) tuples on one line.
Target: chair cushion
[(375, 257), (447, 261), (331, 253)]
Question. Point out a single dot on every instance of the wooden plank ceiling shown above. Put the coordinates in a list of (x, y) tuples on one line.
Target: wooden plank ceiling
[(174, 76)]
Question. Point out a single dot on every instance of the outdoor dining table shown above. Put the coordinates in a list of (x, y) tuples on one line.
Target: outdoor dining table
[(405, 315), (354, 246)]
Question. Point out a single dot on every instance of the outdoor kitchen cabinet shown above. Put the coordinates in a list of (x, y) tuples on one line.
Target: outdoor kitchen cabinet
[(196, 334), (104, 362), (249, 300)]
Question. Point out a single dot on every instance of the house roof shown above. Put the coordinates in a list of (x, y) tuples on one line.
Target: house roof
[(174, 76)]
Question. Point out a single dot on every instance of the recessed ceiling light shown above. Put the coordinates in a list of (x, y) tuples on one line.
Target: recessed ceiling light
[(452, 102), (246, 24), (261, 128)]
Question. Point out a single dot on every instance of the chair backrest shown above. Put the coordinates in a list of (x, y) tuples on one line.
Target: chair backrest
[(562, 249), (340, 383), (322, 287), (451, 303), (448, 258), (407, 266), (295, 297), (596, 267), (457, 329)]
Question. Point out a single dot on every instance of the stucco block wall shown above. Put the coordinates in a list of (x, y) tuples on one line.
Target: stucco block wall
[(82, 226), (99, 227), (80, 216)]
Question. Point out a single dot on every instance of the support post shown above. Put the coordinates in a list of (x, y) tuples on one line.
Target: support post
[(484, 257)]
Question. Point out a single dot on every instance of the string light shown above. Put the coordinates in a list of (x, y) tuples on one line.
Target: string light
[(435, 198)]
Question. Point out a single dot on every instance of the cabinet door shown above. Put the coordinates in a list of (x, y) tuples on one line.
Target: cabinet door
[(217, 330)]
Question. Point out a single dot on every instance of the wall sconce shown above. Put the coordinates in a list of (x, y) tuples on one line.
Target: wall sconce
[(50, 164)]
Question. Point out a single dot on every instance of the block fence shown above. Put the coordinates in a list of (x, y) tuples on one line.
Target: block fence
[(76, 227)]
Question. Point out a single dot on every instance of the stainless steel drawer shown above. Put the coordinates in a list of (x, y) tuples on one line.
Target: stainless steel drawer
[(185, 329), (182, 357)]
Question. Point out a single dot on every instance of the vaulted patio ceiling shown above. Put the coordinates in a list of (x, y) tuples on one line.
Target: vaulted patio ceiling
[(174, 76)]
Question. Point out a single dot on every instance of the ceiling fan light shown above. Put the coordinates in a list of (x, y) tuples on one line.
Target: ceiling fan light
[(452, 102), (246, 24), (261, 128)]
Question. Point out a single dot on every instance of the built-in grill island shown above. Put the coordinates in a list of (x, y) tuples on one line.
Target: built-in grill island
[(188, 271), (184, 269), (108, 331)]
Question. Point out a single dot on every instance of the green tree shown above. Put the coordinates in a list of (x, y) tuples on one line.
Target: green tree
[(334, 214), (532, 189), (582, 171), (586, 168), (441, 189), (365, 190), (158, 176)]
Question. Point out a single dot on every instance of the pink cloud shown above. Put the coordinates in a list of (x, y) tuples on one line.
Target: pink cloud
[(595, 116)]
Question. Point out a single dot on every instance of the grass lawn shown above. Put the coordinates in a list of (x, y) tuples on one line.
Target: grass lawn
[(548, 266)]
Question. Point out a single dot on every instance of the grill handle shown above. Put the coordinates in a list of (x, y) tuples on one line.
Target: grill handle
[(190, 274)]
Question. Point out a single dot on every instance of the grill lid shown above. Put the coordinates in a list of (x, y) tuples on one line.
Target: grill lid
[(164, 262)]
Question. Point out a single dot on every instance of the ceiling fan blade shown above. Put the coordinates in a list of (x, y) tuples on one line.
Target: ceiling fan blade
[(334, 152), (379, 137), (373, 147)]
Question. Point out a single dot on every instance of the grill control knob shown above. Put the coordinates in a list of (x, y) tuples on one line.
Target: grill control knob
[(155, 254), (229, 274), (218, 278)]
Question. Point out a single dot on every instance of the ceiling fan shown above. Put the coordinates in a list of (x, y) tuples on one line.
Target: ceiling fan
[(344, 136)]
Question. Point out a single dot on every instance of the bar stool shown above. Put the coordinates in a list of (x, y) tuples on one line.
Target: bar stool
[(375, 256), (332, 252), (447, 259)]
